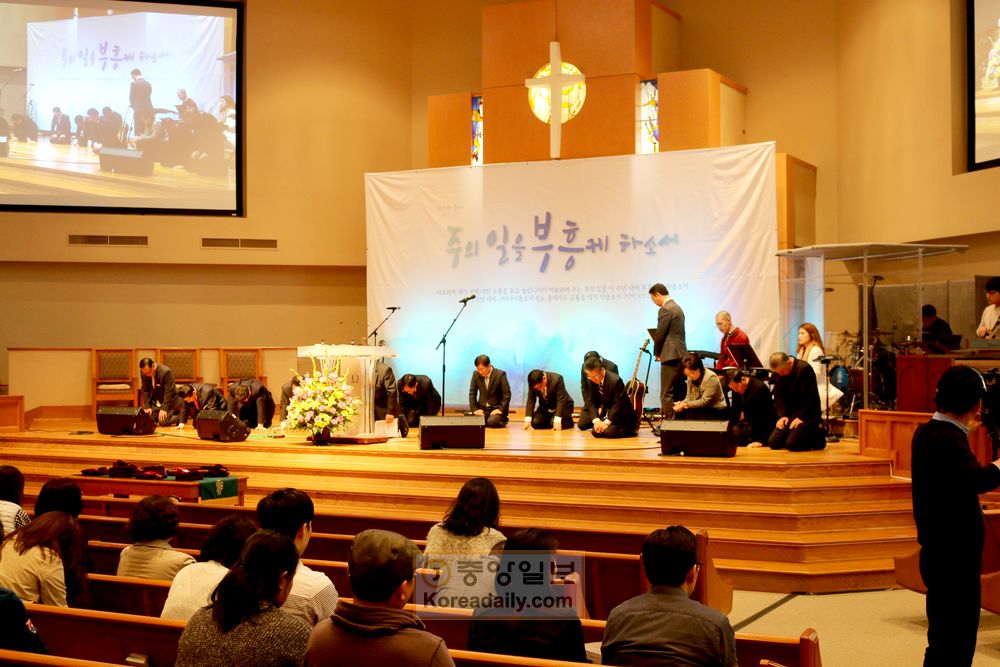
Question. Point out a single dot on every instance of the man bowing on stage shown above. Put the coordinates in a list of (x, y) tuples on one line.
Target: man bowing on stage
[(614, 414), (489, 393), (555, 405)]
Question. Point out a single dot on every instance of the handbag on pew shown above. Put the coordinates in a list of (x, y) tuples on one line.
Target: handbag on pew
[(95, 472), (185, 475), (152, 472), (123, 469), (214, 470)]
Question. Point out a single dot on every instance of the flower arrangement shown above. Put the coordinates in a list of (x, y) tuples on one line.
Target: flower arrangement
[(322, 402)]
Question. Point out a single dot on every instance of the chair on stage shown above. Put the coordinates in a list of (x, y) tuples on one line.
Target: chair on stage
[(113, 378), (183, 361), (238, 364)]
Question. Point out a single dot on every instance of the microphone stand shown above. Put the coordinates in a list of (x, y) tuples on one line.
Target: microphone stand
[(830, 437), (375, 333), (644, 416), (443, 344)]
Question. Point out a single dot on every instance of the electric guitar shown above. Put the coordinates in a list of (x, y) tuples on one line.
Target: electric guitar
[(636, 390)]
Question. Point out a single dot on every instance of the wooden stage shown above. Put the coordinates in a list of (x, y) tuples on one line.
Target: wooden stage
[(778, 521)]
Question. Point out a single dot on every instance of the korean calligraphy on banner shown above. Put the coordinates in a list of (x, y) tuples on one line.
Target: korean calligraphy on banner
[(561, 255)]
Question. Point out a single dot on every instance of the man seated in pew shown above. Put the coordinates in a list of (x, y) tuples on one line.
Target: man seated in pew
[(252, 402), (612, 414), (547, 629), (586, 419), (313, 596), (192, 587), (245, 624), (198, 397), (489, 393), (375, 629), (665, 626), (45, 560), (19, 634), (159, 392), (152, 525), (752, 416), (555, 405), (287, 391), (417, 398)]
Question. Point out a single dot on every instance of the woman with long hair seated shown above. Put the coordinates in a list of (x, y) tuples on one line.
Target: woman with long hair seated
[(152, 525), (810, 349), (244, 625), (40, 560), (467, 537), (704, 399)]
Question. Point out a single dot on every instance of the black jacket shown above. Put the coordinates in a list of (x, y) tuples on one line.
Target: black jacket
[(796, 395), (497, 396)]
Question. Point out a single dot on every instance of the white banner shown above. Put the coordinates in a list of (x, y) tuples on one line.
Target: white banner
[(76, 64), (561, 255)]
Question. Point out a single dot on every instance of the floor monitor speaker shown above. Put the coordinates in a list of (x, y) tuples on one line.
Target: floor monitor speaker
[(692, 437), (221, 425), (458, 432), (125, 161), (124, 420)]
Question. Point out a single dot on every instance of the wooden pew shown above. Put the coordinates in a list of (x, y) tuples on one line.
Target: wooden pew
[(126, 595), (609, 578), (18, 659), (71, 633)]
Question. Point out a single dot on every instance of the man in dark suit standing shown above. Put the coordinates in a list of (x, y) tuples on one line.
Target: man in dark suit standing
[(796, 400), (489, 393), (588, 412), (947, 481), (159, 392), (252, 402), (287, 391), (614, 414), (669, 346), (386, 404), (752, 414), (197, 397), (417, 397), (140, 98), (555, 405)]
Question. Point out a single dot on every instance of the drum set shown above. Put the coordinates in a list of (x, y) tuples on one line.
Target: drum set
[(877, 358)]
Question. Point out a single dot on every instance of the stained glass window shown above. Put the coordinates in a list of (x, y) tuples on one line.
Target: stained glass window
[(649, 126), (477, 130)]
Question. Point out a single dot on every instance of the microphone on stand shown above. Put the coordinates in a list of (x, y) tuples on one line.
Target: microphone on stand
[(393, 308), (467, 299)]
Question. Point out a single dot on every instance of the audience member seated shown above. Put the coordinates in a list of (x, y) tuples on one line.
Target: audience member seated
[(59, 495), (538, 631), (44, 561), (375, 630), (197, 397), (61, 132), (252, 402), (665, 626), (192, 587), (12, 516), (244, 625), (19, 634), (796, 400), (24, 129), (467, 533), (705, 398), (752, 416), (290, 512), (152, 524)]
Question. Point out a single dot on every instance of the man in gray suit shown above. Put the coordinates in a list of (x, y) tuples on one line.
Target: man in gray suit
[(489, 393), (669, 346)]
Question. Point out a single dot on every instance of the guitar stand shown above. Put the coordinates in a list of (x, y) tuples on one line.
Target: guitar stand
[(645, 416)]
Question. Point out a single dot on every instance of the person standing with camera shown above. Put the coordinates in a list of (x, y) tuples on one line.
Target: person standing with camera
[(947, 481)]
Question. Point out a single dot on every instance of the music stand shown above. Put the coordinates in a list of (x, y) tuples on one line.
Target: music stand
[(745, 356)]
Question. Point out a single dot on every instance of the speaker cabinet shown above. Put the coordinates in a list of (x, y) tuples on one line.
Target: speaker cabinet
[(692, 437), (221, 425), (458, 432), (115, 420), (125, 161)]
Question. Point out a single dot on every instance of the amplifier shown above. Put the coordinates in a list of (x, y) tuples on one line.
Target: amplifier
[(458, 432)]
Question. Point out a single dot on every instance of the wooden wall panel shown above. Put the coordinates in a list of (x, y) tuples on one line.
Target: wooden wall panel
[(881, 431), (449, 130), (689, 110), (516, 40), (607, 123), (605, 37), (511, 131)]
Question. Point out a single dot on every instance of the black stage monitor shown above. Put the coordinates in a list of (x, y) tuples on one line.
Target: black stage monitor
[(221, 425), (458, 432), (692, 437), (744, 355), (124, 420)]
